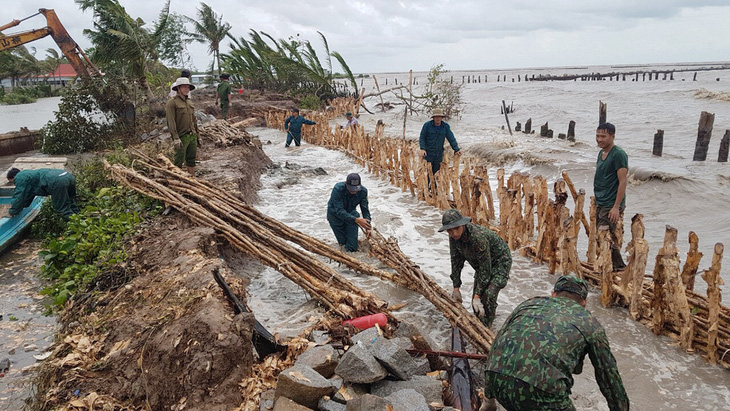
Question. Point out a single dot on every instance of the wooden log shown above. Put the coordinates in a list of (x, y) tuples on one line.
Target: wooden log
[(544, 130), (724, 148), (506, 117), (678, 306), (580, 216), (605, 266), (659, 304), (689, 271), (571, 131), (704, 133), (658, 143), (713, 279), (602, 107), (638, 249), (528, 126), (592, 234)]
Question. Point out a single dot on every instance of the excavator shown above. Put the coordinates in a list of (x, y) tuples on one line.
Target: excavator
[(76, 56)]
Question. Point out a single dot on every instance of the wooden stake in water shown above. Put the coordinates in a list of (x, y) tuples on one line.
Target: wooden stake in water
[(602, 107), (704, 133), (504, 107), (658, 143)]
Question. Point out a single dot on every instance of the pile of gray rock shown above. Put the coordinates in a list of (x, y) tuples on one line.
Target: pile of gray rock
[(372, 374)]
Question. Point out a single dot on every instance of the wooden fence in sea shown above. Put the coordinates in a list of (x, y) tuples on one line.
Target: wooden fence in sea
[(543, 227)]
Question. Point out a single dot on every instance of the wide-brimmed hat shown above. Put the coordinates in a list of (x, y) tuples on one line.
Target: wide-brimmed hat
[(437, 112), (353, 182), (182, 81), (572, 284), (452, 219)]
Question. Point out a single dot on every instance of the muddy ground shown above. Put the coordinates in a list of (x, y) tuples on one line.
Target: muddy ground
[(157, 332)]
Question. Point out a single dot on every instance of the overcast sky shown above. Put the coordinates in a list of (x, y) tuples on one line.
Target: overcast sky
[(398, 35)]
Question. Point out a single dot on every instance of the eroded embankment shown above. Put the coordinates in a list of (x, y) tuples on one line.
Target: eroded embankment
[(157, 332)]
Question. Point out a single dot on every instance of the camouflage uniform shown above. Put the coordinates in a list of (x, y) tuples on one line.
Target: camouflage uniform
[(541, 345), (491, 259)]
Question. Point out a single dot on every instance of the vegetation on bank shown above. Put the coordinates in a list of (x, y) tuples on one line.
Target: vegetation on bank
[(77, 251)]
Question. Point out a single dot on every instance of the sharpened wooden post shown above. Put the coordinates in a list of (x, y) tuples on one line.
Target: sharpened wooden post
[(593, 235), (677, 298), (633, 279), (605, 266), (692, 263), (571, 131), (704, 133), (714, 297), (658, 143), (528, 126), (724, 147), (602, 107)]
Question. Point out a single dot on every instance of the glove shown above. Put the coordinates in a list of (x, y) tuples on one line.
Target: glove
[(478, 307), (456, 295)]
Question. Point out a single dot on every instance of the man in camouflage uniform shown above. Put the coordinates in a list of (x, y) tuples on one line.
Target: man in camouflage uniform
[(542, 344), (486, 252)]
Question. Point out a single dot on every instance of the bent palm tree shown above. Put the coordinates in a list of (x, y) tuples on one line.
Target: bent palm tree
[(209, 28)]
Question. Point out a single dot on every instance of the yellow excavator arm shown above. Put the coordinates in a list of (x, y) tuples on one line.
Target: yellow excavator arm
[(75, 55)]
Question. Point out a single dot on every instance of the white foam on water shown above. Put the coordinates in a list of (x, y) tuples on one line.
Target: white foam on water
[(656, 374)]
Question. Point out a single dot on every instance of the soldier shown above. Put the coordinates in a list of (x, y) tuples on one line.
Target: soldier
[(341, 214), (59, 184), (224, 95), (293, 126), (543, 342), (183, 125), (486, 252)]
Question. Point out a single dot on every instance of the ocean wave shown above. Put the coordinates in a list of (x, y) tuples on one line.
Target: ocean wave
[(503, 152), (712, 95), (639, 174)]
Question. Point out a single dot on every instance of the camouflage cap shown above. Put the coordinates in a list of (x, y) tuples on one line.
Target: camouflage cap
[(572, 284), (452, 219)]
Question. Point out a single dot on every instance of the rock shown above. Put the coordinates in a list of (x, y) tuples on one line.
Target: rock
[(428, 387), (144, 137), (367, 337), (288, 181), (337, 382), (420, 342), (319, 337), (326, 404), (154, 133), (358, 365), (349, 392), (319, 171), (30, 347), (367, 403), (322, 359), (285, 404), (407, 400), (267, 400), (396, 359), (303, 384)]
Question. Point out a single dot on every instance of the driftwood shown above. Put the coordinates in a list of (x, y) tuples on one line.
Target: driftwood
[(224, 134)]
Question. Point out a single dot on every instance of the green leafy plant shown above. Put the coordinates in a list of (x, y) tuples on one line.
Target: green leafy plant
[(310, 102)]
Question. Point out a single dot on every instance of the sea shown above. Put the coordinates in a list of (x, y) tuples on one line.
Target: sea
[(669, 190)]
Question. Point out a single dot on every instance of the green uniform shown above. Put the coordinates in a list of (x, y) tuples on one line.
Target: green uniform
[(57, 183), (605, 188), (182, 124), (432, 140), (224, 93), (491, 259), (541, 345), (293, 126), (341, 214)]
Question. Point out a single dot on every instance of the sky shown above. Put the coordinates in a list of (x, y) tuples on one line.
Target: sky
[(377, 36)]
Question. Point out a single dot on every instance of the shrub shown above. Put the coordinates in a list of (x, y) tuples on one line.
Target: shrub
[(310, 102)]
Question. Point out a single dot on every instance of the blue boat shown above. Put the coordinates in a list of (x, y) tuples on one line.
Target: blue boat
[(12, 229)]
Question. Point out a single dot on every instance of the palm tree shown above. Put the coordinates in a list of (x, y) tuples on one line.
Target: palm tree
[(209, 28), (53, 61)]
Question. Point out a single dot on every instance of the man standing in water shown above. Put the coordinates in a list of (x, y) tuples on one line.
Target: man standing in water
[(542, 344), (183, 125), (293, 126), (433, 134), (609, 187), (224, 95), (59, 184), (341, 214), (486, 252)]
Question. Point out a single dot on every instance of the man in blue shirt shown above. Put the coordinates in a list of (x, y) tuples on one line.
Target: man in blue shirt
[(293, 126), (57, 183), (341, 214), (433, 134)]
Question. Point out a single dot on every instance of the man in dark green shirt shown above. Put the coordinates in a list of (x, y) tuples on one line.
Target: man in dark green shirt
[(293, 126), (183, 125), (57, 183), (609, 186), (486, 252), (224, 94), (341, 214), (542, 344)]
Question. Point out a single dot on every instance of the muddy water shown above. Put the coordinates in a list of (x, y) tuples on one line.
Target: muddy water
[(24, 331), (656, 374), (33, 115)]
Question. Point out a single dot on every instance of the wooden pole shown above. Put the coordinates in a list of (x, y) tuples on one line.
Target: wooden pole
[(593, 234), (704, 133), (504, 107), (692, 263), (571, 131), (603, 262), (658, 143), (713, 279), (634, 275), (382, 103), (678, 305), (528, 126), (724, 147), (410, 89), (602, 107)]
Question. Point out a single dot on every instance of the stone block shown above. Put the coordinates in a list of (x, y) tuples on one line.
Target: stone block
[(327, 404), (394, 357), (304, 385), (407, 400), (322, 359), (267, 400), (285, 404), (367, 403), (359, 366), (367, 337), (348, 392), (429, 387)]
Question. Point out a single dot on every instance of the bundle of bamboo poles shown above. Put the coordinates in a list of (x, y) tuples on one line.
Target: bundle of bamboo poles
[(270, 234), (553, 238), (224, 134)]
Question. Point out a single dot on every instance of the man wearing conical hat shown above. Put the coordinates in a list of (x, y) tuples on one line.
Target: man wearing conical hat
[(183, 125), (433, 135), (486, 252)]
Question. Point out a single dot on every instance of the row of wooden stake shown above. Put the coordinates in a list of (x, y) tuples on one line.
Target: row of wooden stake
[(545, 229)]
